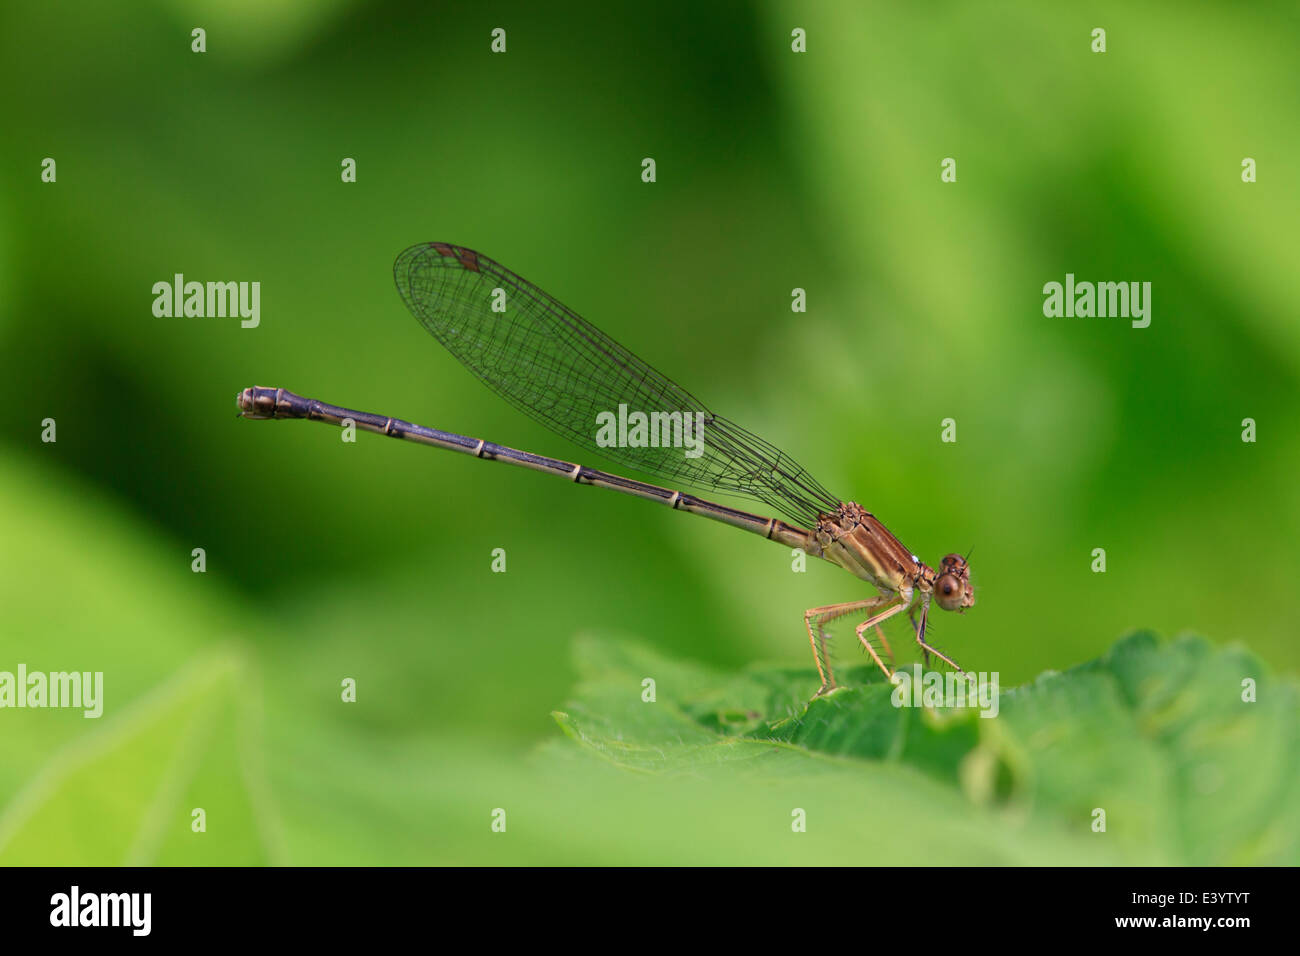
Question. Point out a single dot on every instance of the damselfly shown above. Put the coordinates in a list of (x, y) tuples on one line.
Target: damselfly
[(551, 364)]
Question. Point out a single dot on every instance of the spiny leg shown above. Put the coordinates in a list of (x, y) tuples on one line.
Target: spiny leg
[(889, 651), (916, 629), (884, 646), (920, 639), (819, 617), (875, 621)]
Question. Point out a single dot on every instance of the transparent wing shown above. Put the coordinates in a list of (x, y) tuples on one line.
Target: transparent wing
[(553, 365)]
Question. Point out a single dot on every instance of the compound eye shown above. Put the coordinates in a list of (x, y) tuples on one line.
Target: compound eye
[(952, 561), (948, 591)]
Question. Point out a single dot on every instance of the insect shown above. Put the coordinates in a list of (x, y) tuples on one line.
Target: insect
[(553, 365)]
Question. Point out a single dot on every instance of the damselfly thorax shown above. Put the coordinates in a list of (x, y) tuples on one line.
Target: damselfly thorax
[(857, 541)]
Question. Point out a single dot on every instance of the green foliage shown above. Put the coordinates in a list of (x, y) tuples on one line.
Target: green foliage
[(124, 792), (1157, 736)]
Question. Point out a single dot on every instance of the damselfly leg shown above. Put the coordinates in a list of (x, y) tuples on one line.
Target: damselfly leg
[(926, 649), (816, 619)]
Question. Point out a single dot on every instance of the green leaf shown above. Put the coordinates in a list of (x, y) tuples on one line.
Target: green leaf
[(86, 590), (1157, 736), (125, 792)]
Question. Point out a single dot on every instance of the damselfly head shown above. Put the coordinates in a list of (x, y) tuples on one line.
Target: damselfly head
[(952, 590)]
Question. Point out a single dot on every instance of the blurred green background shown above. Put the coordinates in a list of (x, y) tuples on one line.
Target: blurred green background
[(776, 170)]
